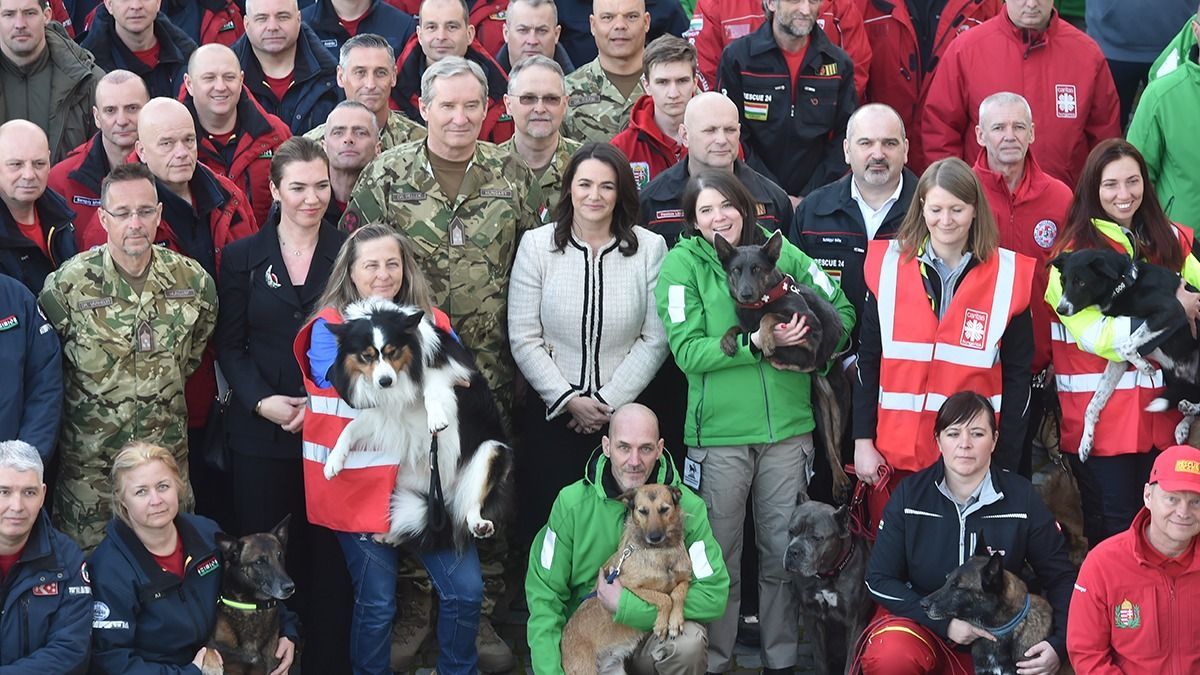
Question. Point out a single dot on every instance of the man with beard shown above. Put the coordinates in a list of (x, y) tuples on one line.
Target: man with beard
[(537, 101)]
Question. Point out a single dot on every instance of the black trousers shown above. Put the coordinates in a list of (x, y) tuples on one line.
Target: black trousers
[(1110, 490)]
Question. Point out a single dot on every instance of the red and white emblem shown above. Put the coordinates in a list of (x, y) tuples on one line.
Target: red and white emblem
[(1066, 105), (974, 329)]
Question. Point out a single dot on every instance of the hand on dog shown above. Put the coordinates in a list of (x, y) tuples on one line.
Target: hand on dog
[(587, 414), (1043, 660), (792, 333), (963, 633), (1191, 304), (285, 653), (608, 594)]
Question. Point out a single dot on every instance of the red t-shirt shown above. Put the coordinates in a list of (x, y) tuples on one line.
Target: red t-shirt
[(794, 59), (173, 561), (351, 25), (7, 562), (278, 85), (33, 232), (148, 56)]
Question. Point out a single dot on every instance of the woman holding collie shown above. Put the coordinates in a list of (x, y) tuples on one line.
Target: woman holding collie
[(1115, 207), (749, 426), (581, 321), (947, 310), (376, 262)]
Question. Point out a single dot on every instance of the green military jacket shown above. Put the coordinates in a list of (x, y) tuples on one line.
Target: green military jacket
[(126, 358), (551, 179), (399, 129), (465, 244), (596, 111)]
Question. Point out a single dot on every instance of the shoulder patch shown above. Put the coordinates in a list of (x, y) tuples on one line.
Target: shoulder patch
[(210, 565), (9, 322)]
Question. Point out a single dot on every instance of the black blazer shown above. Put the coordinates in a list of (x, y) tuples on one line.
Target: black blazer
[(259, 316)]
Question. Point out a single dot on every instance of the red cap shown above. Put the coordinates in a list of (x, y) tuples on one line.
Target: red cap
[(1177, 469)]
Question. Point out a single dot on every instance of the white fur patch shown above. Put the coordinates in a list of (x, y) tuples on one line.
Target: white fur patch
[(701, 569)]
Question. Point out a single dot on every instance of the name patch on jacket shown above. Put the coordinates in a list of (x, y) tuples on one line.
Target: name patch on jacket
[(85, 201), (584, 99), (669, 213), (9, 322), (329, 44), (974, 329), (178, 293), (501, 193), (46, 589), (407, 196), (208, 566), (228, 26), (95, 303)]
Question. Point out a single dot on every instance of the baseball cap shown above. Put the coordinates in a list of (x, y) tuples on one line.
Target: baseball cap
[(1177, 469)]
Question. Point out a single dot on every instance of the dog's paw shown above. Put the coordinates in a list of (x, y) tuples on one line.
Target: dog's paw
[(482, 529), (729, 343), (675, 626), (662, 628), (437, 417), (334, 464), (1085, 446)]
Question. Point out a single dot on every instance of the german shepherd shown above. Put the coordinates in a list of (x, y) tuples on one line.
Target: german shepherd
[(254, 582), (653, 563), (765, 296), (984, 594)]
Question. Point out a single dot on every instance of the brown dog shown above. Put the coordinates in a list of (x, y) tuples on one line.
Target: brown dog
[(653, 564)]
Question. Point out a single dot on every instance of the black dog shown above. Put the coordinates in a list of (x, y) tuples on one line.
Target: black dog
[(254, 581), (984, 594), (828, 562), (1120, 286)]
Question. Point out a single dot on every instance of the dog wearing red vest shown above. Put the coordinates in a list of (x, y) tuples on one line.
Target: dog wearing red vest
[(418, 394)]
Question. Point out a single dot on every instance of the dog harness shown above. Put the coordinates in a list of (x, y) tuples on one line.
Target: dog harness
[(786, 285), (1012, 624), (246, 606)]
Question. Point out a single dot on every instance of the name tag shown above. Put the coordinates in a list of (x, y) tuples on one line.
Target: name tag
[(496, 192), (96, 303), (85, 201), (584, 99), (669, 213), (407, 196), (177, 293), (9, 322)]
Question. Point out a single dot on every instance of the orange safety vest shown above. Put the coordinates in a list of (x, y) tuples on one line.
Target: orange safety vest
[(1124, 427), (359, 498), (925, 360)]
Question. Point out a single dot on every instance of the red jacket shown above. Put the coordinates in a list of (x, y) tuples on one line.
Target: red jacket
[(488, 18), (716, 23), (1029, 222), (649, 150), (497, 124), (1133, 611), (205, 21), (1061, 72), (77, 178), (899, 76), (259, 133)]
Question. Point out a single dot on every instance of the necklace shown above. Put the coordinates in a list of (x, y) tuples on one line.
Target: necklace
[(296, 251)]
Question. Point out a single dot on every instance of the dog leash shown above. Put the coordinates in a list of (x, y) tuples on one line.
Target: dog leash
[(1012, 624), (616, 571), (859, 519), (437, 504)]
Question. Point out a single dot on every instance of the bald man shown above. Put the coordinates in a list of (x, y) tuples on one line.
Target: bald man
[(235, 137), (36, 231), (585, 528)]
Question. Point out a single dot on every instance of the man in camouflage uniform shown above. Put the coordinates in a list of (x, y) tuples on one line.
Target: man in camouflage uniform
[(537, 101), (134, 319), (463, 205), (603, 91), (366, 72)]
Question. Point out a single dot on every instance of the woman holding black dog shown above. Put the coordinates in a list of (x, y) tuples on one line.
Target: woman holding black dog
[(1115, 207), (947, 310), (749, 425), (935, 520)]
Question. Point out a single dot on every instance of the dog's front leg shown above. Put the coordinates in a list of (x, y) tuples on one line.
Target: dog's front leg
[(1184, 428), (1104, 391), (1129, 349), (661, 602), (678, 595), (336, 461)]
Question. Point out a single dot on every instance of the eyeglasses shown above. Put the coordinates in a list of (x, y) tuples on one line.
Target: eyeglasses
[(143, 214), (549, 100)]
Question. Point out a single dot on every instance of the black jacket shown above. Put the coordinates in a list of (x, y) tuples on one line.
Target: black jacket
[(662, 211), (174, 49), (791, 131), (560, 57), (260, 313), (381, 19), (314, 91), (22, 259), (1016, 355), (31, 400), (921, 539), (829, 227)]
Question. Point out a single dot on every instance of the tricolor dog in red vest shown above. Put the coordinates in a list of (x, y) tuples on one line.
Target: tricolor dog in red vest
[(1122, 287), (416, 393)]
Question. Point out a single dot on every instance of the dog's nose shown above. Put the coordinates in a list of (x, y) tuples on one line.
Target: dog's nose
[(385, 381), (654, 537), (925, 603), (287, 589)]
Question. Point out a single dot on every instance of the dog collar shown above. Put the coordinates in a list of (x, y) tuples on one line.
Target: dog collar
[(786, 285), (1012, 624), (246, 606), (1126, 282), (841, 563)]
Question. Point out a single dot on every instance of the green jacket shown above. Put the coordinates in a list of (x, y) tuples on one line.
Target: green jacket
[(1161, 129), (584, 530), (1174, 54), (739, 399)]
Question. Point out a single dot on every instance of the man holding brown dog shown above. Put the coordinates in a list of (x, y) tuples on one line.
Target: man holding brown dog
[(584, 529)]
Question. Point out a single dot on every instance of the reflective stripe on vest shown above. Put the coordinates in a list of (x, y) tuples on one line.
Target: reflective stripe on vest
[(331, 405), (917, 402)]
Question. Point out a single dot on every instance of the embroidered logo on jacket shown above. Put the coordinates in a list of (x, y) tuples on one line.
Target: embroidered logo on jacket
[(974, 329), (1127, 615), (1065, 102), (1044, 233)]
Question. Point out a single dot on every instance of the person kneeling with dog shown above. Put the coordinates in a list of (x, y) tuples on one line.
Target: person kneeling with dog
[(585, 527), (1134, 609), (932, 523)]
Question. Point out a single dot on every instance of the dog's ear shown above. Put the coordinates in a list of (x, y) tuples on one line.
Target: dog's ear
[(411, 321), (842, 518), (981, 547), (676, 494), (1059, 261), (724, 248), (1110, 266), (230, 547), (627, 498), (774, 247), (992, 576), (280, 531), (338, 329)]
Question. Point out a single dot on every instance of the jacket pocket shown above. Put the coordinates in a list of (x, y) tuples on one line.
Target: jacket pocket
[(817, 103)]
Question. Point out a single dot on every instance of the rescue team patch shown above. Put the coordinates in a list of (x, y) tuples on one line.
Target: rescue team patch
[(669, 213), (1127, 615), (1066, 105), (1044, 233), (207, 566), (641, 173), (46, 589), (1187, 466), (974, 329), (755, 110), (9, 322)]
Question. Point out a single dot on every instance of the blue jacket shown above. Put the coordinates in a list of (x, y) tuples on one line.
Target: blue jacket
[(174, 49), (23, 259), (314, 91), (31, 402), (45, 625), (381, 19)]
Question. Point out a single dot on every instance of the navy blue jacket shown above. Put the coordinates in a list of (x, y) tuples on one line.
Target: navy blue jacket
[(314, 91), (666, 18), (21, 258), (46, 623), (174, 49), (381, 19), (31, 401)]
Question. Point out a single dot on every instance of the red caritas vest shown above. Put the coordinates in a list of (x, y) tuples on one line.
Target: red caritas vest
[(924, 360), (1124, 426), (359, 498)]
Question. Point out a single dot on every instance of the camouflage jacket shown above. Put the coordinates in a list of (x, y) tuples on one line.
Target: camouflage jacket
[(551, 179), (597, 110), (399, 129), (465, 245)]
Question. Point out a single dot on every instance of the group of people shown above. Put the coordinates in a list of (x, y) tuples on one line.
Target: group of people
[(192, 194)]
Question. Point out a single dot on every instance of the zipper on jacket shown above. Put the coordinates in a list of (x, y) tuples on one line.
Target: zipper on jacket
[(25, 650), (199, 630), (700, 406), (766, 404)]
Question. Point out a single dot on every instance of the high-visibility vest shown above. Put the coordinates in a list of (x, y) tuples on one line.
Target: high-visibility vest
[(925, 360), (359, 498)]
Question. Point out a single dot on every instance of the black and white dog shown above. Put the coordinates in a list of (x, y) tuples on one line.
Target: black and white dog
[(412, 383), (1122, 287)]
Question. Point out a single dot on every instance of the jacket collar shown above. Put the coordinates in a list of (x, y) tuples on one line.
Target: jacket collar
[(195, 551), (1033, 179), (325, 17), (173, 44), (94, 166), (70, 60), (39, 554), (312, 58), (762, 41), (264, 248), (826, 202), (560, 57), (251, 118), (599, 476), (1031, 39), (53, 212)]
